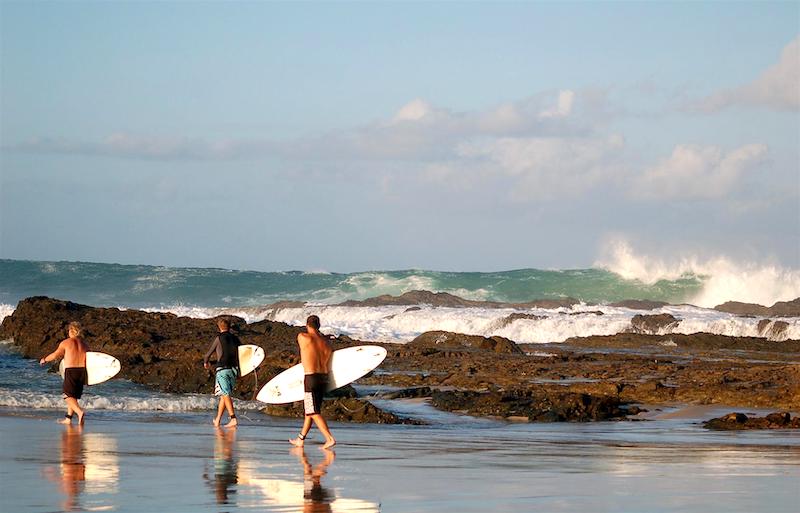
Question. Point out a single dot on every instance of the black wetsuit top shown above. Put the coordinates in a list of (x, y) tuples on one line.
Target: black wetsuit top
[(227, 347)]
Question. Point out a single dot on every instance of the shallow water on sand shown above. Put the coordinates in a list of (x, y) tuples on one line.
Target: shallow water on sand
[(168, 462)]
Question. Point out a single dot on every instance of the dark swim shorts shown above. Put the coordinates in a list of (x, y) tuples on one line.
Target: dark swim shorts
[(75, 379), (315, 386)]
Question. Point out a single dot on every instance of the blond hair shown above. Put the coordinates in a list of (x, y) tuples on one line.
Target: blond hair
[(75, 327)]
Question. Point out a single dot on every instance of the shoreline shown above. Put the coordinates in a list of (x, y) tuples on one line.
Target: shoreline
[(129, 463)]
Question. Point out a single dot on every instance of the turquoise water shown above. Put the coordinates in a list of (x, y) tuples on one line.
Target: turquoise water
[(151, 286)]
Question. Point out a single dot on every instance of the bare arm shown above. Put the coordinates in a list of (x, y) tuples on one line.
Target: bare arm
[(55, 355), (214, 347)]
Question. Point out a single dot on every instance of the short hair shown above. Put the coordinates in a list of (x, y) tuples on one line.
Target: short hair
[(76, 327), (313, 322), (223, 324)]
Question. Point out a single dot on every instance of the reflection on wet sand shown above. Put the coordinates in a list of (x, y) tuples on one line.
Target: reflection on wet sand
[(310, 495), (88, 464), (316, 498), (225, 474)]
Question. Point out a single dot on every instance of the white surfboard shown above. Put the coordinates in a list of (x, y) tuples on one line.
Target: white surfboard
[(99, 367), (347, 365), (250, 357)]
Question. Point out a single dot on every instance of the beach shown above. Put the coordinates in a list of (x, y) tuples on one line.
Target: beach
[(178, 462)]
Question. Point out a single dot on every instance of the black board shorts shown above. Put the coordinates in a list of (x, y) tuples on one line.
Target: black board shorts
[(315, 386), (75, 379)]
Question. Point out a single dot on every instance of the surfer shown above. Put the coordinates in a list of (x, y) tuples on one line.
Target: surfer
[(226, 346), (73, 350), (315, 353)]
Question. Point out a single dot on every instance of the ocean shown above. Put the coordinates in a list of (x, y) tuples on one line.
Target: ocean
[(206, 292)]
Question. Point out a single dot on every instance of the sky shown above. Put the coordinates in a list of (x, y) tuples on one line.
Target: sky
[(357, 136)]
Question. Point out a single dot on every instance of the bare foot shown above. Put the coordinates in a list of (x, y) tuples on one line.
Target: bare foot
[(216, 422), (232, 423), (330, 443), (66, 420), (297, 442), (80, 418)]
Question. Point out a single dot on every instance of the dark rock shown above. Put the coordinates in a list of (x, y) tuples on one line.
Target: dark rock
[(407, 393), (779, 309), (740, 421), (653, 324), (446, 339), (505, 321), (773, 330), (444, 299), (342, 409), (536, 406), (639, 304)]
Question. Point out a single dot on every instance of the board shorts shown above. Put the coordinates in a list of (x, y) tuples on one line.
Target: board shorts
[(315, 386), (75, 378), (225, 381)]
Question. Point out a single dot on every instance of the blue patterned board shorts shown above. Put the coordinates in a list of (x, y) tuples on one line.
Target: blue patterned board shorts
[(225, 381)]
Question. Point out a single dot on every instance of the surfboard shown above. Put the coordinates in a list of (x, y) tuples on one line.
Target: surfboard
[(347, 365), (99, 367), (250, 357)]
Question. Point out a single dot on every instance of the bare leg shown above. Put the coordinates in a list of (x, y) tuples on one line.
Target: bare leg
[(300, 440), (220, 409), (68, 417), (319, 420), (73, 406), (229, 405)]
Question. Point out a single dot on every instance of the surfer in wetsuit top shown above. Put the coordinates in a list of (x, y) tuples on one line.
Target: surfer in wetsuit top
[(315, 353), (226, 346), (73, 350)]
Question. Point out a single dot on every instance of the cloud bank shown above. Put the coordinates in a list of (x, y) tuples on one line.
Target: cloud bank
[(777, 88)]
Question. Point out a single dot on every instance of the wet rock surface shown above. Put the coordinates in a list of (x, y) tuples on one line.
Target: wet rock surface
[(445, 339), (779, 309), (533, 405), (443, 299), (740, 421), (342, 409), (654, 324)]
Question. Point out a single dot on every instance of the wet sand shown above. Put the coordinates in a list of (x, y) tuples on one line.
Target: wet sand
[(168, 462)]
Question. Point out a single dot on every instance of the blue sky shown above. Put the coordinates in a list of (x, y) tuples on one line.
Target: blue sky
[(352, 136)]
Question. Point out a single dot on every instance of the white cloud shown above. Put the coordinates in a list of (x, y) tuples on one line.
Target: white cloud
[(535, 167), (563, 107), (413, 111), (694, 171), (418, 131), (778, 87)]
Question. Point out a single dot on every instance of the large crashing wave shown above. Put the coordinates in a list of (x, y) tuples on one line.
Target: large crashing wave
[(722, 279)]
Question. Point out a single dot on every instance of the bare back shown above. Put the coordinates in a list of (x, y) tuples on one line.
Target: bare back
[(315, 352), (75, 350)]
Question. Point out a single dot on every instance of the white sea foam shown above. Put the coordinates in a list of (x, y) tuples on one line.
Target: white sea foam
[(16, 398), (723, 279), (395, 324)]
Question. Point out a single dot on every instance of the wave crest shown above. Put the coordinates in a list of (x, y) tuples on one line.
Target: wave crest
[(722, 279)]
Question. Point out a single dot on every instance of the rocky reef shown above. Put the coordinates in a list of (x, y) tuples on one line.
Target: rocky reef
[(740, 421), (582, 379)]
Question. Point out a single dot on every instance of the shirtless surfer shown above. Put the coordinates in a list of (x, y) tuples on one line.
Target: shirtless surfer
[(226, 346), (73, 350), (315, 353)]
